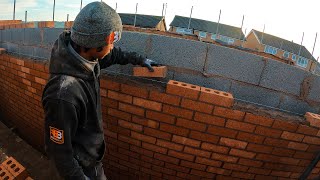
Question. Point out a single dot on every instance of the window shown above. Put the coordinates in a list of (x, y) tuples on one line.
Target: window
[(231, 41), (286, 54), (202, 34), (213, 36), (184, 30), (302, 62), (270, 50), (294, 57)]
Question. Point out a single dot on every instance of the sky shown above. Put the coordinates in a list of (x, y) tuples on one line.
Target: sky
[(287, 19)]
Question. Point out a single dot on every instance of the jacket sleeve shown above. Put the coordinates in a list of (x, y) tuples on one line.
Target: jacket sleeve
[(61, 120), (117, 56)]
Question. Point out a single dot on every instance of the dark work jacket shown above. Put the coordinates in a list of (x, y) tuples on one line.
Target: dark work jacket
[(74, 137)]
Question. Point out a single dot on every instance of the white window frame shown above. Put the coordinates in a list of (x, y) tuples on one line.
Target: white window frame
[(183, 30), (295, 57), (270, 50), (286, 54), (214, 36), (231, 41), (202, 34), (302, 62)]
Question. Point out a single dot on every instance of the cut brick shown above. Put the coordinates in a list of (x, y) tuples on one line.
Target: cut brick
[(216, 97), (2, 51), (183, 89), (314, 119), (15, 168), (144, 72)]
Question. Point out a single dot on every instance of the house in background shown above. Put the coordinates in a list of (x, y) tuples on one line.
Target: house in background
[(208, 31), (281, 48), (144, 21)]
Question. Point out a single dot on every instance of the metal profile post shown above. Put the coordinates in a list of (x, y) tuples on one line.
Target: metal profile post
[(135, 16)]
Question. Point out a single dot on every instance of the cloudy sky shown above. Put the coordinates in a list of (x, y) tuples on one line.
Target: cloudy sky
[(283, 18)]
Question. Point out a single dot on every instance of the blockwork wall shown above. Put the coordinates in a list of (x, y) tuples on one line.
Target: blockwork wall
[(157, 135)]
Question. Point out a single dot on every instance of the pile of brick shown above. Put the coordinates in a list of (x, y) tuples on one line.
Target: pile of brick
[(11, 169)]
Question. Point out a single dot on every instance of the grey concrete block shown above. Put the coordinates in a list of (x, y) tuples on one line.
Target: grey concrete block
[(1, 36), (50, 35), (6, 35), (235, 64), (292, 104), (209, 82), (12, 48), (32, 37), (255, 94), (283, 77), (17, 36), (41, 53), (134, 42), (177, 52), (3, 45), (314, 93), (26, 50)]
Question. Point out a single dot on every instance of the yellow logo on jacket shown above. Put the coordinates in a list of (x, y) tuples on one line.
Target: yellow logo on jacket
[(56, 135)]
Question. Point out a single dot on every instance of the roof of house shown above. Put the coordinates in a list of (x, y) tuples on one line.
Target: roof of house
[(283, 44), (144, 21), (208, 26)]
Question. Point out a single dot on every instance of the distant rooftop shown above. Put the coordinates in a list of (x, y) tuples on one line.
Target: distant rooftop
[(144, 21)]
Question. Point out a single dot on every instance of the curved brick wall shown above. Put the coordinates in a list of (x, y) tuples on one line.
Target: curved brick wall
[(154, 134)]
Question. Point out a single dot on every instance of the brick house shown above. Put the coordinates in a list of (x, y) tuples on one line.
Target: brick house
[(281, 48), (144, 21), (207, 30)]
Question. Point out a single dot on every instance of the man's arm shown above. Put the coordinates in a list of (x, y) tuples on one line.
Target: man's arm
[(60, 126)]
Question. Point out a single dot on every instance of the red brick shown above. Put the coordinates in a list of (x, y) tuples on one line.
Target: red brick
[(221, 131), (202, 174), (276, 142), (280, 173), (134, 91), (187, 176), (176, 111), (197, 152), (160, 71), (40, 81), (191, 124), (142, 137), (108, 84), (228, 113), (268, 158), (145, 122), (242, 175), (164, 98), (268, 132), (241, 126), (160, 117), (166, 158), (311, 140), (129, 125), (141, 151), (193, 165), (183, 89), (157, 133), (303, 129), (174, 129), (313, 119), (15, 168), (147, 104), (214, 148), (209, 119), (289, 161), (216, 97), (46, 24), (103, 93), (154, 148), (164, 170), (209, 162), (152, 160), (5, 174), (25, 70), (313, 148), (178, 168), (129, 140), (258, 120), (197, 106), (283, 152), (241, 153), (186, 141), (131, 109), (266, 177), (236, 167), (292, 136), (39, 66), (233, 143), (204, 137), (224, 158), (259, 148), (180, 155), (26, 82), (249, 162), (285, 125), (120, 97), (250, 137), (216, 170), (152, 172), (169, 145)]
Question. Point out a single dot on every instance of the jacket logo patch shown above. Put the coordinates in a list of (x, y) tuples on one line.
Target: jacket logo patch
[(56, 135)]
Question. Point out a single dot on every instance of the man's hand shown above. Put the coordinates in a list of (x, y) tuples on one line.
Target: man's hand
[(149, 63)]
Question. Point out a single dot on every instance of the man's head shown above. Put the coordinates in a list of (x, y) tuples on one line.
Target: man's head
[(95, 29)]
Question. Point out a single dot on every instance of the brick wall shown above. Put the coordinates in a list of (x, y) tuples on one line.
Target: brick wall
[(159, 133)]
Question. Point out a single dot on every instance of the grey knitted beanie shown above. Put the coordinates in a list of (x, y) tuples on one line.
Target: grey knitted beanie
[(94, 23)]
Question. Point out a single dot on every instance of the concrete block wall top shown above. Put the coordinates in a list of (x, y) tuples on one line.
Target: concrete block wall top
[(178, 52), (17, 36), (32, 37), (50, 35), (295, 105), (234, 64), (134, 42), (314, 93), (282, 77)]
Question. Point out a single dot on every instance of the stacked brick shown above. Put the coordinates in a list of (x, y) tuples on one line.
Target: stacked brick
[(21, 85), (182, 131), (15, 25), (11, 169)]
